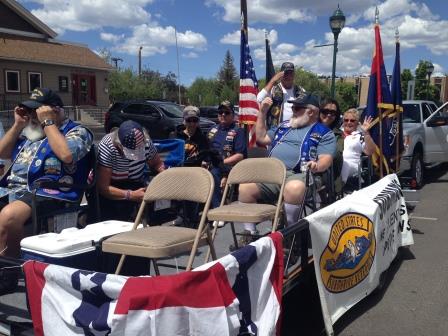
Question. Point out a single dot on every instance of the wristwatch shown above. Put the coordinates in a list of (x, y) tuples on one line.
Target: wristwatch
[(47, 122)]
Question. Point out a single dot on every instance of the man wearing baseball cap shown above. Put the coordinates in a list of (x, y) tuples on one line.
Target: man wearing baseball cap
[(281, 88), (122, 156), (42, 144), (300, 143)]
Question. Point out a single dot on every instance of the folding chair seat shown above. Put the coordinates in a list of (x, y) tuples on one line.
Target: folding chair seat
[(253, 170), (154, 242)]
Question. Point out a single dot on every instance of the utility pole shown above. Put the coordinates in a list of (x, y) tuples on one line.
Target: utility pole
[(178, 72), (140, 60), (116, 60)]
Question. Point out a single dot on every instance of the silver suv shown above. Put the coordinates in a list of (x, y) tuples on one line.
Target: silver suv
[(425, 133)]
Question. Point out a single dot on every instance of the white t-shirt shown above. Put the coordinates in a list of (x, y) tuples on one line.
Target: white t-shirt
[(288, 94), (353, 148)]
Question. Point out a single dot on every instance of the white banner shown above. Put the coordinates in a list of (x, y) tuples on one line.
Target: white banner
[(354, 240)]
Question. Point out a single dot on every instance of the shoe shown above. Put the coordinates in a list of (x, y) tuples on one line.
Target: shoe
[(220, 224), (246, 238), (9, 281)]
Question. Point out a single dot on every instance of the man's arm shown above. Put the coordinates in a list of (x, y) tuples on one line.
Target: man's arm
[(8, 141), (260, 127), (55, 138), (326, 149)]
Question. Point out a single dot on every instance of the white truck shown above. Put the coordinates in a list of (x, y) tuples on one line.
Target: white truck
[(425, 133)]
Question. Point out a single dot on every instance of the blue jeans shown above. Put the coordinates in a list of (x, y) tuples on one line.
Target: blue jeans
[(217, 193)]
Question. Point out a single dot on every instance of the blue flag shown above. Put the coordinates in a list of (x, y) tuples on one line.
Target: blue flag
[(379, 106)]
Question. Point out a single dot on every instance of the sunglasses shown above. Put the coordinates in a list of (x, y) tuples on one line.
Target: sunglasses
[(350, 120), (193, 120), (327, 112), (224, 112)]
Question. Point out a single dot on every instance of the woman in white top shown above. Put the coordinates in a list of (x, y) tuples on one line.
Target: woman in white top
[(356, 141)]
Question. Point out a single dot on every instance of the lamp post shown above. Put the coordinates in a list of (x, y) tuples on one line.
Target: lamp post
[(140, 61), (429, 71), (337, 22)]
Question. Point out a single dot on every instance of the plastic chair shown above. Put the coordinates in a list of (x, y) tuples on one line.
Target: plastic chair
[(154, 242), (254, 170), (171, 151)]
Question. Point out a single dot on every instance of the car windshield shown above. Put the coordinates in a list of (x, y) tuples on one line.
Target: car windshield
[(172, 110), (411, 113)]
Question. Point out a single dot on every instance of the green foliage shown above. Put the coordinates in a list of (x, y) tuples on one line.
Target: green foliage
[(406, 76), (311, 83), (346, 95), (202, 92), (423, 90), (227, 79)]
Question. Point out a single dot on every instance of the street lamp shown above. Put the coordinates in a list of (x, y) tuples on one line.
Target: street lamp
[(140, 60), (337, 22), (429, 71)]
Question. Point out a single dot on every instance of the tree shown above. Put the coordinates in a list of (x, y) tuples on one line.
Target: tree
[(227, 79), (346, 95), (106, 55), (406, 76), (202, 92), (423, 90), (310, 82)]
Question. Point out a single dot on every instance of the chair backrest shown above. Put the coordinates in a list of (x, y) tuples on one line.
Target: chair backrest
[(171, 151), (182, 183), (258, 170)]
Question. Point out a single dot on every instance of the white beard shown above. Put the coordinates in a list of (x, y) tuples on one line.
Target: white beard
[(298, 122), (33, 132)]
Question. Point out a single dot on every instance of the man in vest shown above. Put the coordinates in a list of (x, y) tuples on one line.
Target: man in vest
[(281, 89), (301, 143), (229, 141), (42, 145)]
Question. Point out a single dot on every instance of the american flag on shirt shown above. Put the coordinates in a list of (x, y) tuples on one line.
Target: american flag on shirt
[(248, 81)]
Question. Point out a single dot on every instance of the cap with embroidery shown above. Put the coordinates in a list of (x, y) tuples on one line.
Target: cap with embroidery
[(287, 67), (226, 105), (304, 100), (132, 139), (191, 111), (40, 97)]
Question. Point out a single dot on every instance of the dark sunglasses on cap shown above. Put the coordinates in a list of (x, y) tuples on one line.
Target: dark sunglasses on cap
[(194, 120), (350, 120), (224, 112), (328, 112)]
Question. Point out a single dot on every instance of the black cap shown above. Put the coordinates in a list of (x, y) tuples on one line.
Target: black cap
[(40, 97), (304, 100), (226, 105), (287, 67)]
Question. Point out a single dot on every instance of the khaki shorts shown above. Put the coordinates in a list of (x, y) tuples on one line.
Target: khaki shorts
[(269, 192)]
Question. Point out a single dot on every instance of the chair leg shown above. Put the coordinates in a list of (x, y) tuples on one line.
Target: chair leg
[(120, 264), (156, 267), (235, 241), (211, 247)]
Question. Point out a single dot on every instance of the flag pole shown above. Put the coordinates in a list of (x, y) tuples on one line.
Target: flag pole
[(244, 30), (378, 90), (397, 108)]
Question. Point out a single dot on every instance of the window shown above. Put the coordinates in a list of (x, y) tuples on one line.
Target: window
[(411, 113), (63, 83), (150, 111), (133, 109), (34, 80), (426, 111), (12, 80)]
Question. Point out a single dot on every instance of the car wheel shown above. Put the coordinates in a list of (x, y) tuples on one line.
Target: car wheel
[(417, 169)]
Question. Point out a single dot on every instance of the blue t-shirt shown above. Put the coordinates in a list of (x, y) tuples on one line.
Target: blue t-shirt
[(218, 140), (288, 149)]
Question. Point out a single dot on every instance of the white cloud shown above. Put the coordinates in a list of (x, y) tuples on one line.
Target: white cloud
[(190, 54), (111, 37), (155, 40), (84, 15), (256, 37)]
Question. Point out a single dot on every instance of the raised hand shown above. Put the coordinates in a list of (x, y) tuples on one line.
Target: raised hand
[(367, 123)]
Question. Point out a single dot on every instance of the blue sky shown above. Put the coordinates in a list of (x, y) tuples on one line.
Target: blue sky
[(206, 29)]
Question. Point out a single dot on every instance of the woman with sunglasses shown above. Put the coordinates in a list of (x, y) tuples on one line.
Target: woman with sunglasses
[(330, 116), (357, 140)]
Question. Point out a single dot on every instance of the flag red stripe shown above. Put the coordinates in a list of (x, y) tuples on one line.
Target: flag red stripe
[(35, 282), (201, 289), (249, 103), (248, 89), (248, 117), (276, 276)]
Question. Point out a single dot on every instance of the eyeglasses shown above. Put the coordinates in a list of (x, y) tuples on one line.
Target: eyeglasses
[(328, 112), (350, 120), (192, 120), (224, 112)]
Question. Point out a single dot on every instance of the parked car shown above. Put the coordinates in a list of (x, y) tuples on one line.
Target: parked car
[(425, 133), (425, 137), (160, 118)]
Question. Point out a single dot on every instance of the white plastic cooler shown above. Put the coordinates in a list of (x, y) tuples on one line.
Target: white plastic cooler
[(78, 248)]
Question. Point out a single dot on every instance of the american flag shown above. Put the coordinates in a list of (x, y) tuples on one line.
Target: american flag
[(239, 294), (134, 139), (248, 81)]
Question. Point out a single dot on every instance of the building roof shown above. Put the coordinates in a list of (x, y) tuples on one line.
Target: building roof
[(30, 18), (14, 48)]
